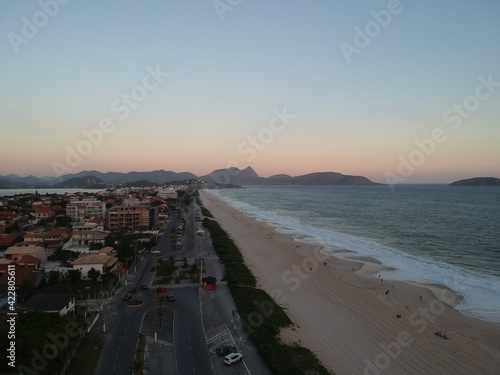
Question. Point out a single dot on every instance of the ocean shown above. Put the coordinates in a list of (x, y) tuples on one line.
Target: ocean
[(435, 234)]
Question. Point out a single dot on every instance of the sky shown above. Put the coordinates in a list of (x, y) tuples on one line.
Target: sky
[(397, 91)]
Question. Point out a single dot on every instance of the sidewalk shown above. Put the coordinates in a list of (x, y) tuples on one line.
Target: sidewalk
[(221, 327)]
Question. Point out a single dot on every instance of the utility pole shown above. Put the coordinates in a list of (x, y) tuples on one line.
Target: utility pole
[(154, 291)]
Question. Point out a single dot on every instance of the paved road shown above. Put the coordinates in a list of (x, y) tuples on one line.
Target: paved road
[(119, 348), (192, 326), (189, 339)]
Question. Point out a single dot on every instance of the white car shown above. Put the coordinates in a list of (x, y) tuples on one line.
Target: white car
[(155, 252), (232, 358)]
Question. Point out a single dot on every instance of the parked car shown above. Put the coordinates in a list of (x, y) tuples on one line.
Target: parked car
[(127, 297), (155, 252), (170, 298), (161, 289), (224, 350), (232, 358), (144, 287)]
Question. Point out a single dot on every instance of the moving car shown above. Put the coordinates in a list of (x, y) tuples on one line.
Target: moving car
[(232, 358), (170, 298), (144, 286), (161, 289), (155, 252), (127, 297)]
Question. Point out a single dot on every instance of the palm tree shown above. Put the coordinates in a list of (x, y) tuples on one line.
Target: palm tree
[(133, 291), (184, 264), (194, 270)]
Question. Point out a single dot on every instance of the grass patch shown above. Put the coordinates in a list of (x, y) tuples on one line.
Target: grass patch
[(236, 272), (85, 360)]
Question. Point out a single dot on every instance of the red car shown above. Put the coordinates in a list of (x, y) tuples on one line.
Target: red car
[(161, 289)]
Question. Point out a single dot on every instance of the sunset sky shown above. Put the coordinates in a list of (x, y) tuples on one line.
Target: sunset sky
[(403, 90)]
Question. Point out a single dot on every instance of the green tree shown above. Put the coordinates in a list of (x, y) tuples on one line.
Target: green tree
[(184, 264), (193, 271), (54, 277), (94, 274), (75, 276), (133, 291), (63, 221)]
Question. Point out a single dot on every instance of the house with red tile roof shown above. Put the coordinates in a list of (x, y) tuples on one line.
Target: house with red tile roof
[(44, 212), (8, 240), (100, 262), (16, 252), (56, 237), (28, 269)]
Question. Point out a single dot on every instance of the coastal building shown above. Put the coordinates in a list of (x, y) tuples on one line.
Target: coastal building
[(167, 193), (90, 207), (44, 212), (34, 237), (101, 262), (85, 234), (16, 252), (8, 240), (56, 237), (126, 217)]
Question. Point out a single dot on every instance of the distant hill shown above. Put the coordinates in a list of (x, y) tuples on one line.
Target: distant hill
[(232, 176), (331, 178), (21, 181), (248, 176), (159, 176), (88, 182), (235, 176), (478, 181), (142, 183), (5, 184)]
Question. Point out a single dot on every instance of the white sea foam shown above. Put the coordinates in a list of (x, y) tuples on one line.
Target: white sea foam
[(480, 292)]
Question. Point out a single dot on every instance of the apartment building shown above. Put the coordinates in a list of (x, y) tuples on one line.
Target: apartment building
[(86, 233), (128, 218), (91, 207)]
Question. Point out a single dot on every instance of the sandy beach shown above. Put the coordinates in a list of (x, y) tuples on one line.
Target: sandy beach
[(356, 322)]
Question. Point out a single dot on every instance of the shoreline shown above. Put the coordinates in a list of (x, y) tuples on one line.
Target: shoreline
[(350, 319)]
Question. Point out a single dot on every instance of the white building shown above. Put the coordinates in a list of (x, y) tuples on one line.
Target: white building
[(91, 207), (100, 262), (167, 193)]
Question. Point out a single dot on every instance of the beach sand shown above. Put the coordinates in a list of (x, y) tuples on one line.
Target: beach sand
[(348, 316)]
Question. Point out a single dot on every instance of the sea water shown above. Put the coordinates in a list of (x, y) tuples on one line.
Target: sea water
[(435, 234)]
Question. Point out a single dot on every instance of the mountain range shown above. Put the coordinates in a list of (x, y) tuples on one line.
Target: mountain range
[(247, 176)]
